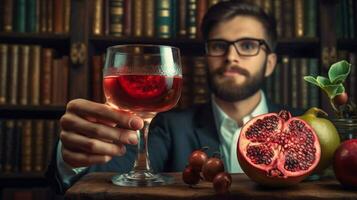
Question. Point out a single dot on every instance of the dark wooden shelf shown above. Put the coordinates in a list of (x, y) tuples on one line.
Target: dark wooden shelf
[(23, 179), (347, 44), (29, 175), (190, 45), (294, 46), (60, 41), (31, 112), (299, 47)]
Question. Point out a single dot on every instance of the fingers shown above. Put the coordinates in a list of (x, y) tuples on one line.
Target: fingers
[(80, 159), (96, 111), (73, 123), (80, 143)]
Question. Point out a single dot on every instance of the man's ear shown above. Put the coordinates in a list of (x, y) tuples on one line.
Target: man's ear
[(271, 63)]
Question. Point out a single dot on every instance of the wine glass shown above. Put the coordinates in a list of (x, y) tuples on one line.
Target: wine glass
[(142, 79)]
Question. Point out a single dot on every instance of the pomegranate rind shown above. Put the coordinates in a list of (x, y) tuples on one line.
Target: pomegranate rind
[(261, 173)]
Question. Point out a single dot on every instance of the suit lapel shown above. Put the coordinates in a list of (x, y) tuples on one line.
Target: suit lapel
[(205, 128)]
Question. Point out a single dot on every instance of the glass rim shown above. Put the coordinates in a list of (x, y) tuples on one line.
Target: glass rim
[(141, 45)]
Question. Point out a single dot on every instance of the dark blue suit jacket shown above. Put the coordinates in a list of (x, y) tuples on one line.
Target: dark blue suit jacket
[(173, 136)]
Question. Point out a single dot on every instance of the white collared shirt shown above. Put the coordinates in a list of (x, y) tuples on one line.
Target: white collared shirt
[(229, 131)]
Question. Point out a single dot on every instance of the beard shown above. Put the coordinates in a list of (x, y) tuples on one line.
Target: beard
[(230, 91)]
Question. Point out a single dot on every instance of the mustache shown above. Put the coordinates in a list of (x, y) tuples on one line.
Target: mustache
[(237, 69)]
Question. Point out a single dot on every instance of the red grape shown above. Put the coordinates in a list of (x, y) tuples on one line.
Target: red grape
[(190, 176), (197, 159), (222, 182), (211, 168)]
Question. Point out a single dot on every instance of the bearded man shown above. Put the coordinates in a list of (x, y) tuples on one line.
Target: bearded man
[(240, 40)]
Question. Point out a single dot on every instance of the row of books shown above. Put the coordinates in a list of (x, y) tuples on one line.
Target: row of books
[(32, 75), (36, 16), (287, 86), (346, 21), (182, 18), (26, 145)]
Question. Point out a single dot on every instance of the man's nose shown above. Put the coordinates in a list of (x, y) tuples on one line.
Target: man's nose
[(232, 54)]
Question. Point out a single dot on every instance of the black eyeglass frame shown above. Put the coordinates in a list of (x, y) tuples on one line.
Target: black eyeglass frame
[(260, 41)]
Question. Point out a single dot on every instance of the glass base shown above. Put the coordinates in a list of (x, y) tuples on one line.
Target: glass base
[(142, 178)]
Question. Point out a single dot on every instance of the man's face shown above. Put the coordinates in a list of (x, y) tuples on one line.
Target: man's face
[(233, 77)]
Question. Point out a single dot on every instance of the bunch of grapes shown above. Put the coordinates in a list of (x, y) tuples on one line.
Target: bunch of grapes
[(212, 170)]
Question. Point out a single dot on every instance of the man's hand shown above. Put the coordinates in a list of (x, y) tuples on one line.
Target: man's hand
[(92, 132)]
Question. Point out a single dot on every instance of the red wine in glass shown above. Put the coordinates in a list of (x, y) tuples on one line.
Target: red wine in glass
[(142, 93), (142, 79)]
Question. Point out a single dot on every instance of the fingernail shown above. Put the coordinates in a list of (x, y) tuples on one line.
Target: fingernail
[(133, 138), (136, 123)]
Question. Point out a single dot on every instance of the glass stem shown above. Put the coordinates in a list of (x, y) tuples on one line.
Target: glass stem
[(142, 163)]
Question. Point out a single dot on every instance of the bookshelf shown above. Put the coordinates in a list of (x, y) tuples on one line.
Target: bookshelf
[(84, 78)]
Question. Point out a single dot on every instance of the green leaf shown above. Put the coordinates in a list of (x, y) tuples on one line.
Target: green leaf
[(323, 81), (340, 90), (311, 80), (339, 71), (333, 90)]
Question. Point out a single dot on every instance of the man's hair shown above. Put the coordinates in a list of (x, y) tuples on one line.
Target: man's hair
[(226, 10)]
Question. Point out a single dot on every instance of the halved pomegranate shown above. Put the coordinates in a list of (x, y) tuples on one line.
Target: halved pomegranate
[(277, 149)]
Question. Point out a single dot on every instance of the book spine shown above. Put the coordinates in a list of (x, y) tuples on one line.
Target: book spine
[(64, 80), (31, 17), (128, 17), (149, 18), (55, 85), (191, 19), (8, 15), (43, 16), (16, 161), (50, 15), (24, 74), (116, 17), (14, 72), (313, 90), (163, 18), (49, 140), (38, 153), (46, 80), (299, 18), (288, 18), (67, 16), (310, 17), (138, 18), (212, 2), (285, 86), (58, 16), (35, 67), (182, 18), (3, 72), (9, 144), (97, 78), (26, 150), (294, 82), (200, 86), (303, 84), (97, 27), (20, 18), (276, 79), (278, 14)]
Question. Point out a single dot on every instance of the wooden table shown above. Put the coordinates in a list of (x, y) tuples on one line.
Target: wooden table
[(98, 186)]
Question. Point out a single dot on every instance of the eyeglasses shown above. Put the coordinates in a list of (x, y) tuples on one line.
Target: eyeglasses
[(243, 46)]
